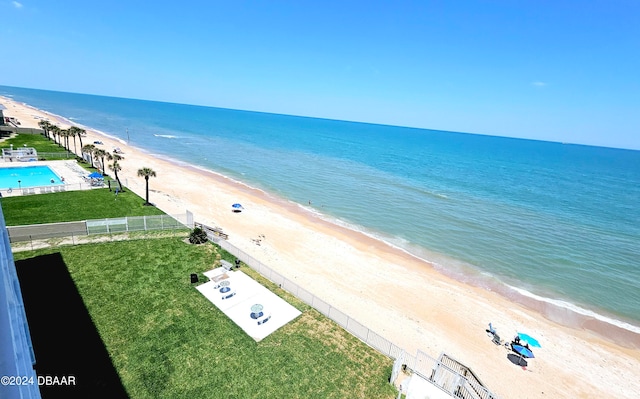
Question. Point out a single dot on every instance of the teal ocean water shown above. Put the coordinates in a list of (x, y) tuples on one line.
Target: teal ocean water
[(554, 225)]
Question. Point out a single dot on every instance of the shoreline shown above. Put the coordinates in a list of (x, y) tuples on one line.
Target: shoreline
[(620, 332), (429, 311)]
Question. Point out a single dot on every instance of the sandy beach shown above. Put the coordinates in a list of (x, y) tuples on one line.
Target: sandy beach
[(394, 294)]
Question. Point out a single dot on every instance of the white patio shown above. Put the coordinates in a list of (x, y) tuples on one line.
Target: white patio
[(255, 309)]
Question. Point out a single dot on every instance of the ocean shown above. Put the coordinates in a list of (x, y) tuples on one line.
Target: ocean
[(550, 224)]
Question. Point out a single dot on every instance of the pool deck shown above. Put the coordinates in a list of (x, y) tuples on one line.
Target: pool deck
[(74, 177)]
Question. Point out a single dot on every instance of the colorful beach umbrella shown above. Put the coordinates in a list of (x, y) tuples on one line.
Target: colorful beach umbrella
[(529, 339), (522, 351)]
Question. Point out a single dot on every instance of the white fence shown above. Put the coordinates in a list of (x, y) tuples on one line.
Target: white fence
[(96, 226), (460, 382), (16, 191), (57, 155), (135, 223)]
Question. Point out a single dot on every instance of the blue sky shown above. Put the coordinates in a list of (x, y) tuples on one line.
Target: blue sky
[(559, 70)]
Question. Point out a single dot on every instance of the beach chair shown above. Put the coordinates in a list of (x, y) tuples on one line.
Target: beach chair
[(495, 338)]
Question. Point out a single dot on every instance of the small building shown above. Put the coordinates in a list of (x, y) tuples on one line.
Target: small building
[(7, 120), (5, 129)]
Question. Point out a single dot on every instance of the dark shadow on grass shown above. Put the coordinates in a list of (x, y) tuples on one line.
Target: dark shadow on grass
[(65, 340)]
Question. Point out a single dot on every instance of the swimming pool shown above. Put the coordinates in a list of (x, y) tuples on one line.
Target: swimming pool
[(28, 176)]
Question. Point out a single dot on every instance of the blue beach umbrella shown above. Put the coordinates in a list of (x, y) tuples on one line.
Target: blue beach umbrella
[(95, 175), (522, 351), (236, 207), (529, 339)]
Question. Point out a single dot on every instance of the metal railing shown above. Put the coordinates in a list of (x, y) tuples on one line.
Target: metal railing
[(57, 155), (75, 230), (135, 223), (13, 191), (474, 387)]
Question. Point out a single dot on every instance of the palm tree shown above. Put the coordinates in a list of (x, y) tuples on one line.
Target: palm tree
[(73, 132), (55, 130), (115, 167), (89, 149), (80, 132), (46, 126), (67, 134), (147, 173), (100, 153), (64, 135)]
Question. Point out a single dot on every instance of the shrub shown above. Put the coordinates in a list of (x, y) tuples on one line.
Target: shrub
[(198, 236)]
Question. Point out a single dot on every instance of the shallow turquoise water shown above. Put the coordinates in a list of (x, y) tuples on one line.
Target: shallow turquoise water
[(27, 176)]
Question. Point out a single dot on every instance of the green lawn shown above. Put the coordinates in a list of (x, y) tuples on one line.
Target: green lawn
[(167, 340), (37, 141), (72, 206)]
